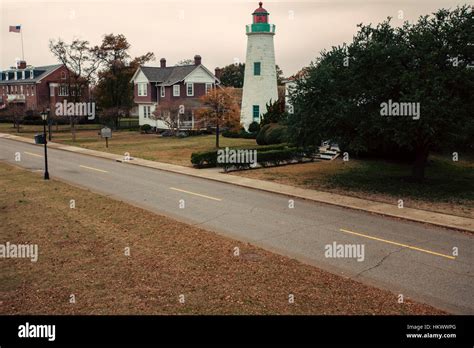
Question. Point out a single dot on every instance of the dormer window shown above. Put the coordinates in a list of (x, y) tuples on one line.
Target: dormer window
[(6, 75), (32, 75)]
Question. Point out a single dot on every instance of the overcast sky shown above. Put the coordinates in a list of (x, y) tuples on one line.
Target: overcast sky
[(178, 30)]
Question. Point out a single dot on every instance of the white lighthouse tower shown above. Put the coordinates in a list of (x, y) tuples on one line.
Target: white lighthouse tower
[(260, 81)]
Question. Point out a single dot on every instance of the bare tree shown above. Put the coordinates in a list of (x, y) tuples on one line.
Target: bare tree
[(169, 112), (82, 64)]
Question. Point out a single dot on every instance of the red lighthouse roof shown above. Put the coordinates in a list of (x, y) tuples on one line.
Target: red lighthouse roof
[(260, 15), (260, 10)]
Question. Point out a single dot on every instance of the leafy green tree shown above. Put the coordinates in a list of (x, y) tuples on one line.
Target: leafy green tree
[(233, 75), (342, 95), (275, 113)]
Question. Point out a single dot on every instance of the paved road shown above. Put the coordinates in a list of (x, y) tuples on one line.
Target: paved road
[(406, 258)]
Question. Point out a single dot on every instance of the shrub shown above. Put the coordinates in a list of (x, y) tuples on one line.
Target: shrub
[(204, 159), (254, 127), (276, 134), (242, 134), (145, 128), (261, 135), (272, 133)]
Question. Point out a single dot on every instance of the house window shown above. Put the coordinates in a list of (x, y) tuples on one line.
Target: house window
[(27, 90), (256, 112), (73, 91), (63, 75), (190, 89), (208, 87), (32, 75), (256, 68), (32, 90), (142, 89), (146, 111), (63, 91), (176, 91), (163, 91)]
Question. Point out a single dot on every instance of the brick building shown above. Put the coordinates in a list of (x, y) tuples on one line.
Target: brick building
[(33, 88)]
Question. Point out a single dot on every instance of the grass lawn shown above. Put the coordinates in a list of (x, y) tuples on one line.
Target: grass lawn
[(147, 146), (449, 186), (82, 252)]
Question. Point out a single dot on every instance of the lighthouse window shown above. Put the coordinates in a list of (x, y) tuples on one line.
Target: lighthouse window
[(256, 68), (256, 112)]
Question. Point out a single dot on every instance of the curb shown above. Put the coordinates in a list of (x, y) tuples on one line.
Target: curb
[(384, 209)]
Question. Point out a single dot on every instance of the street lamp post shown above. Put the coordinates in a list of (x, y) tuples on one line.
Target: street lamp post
[(44, 116), (49, 125)]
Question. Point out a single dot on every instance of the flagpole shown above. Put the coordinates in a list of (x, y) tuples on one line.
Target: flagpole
[(22, 51)]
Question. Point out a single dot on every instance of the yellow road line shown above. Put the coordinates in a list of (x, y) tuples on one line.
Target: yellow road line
[(196, 194), (99, 170), (399, 244), (33, 154)]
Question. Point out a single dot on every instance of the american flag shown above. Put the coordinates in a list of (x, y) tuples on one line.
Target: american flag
[(14, 28)]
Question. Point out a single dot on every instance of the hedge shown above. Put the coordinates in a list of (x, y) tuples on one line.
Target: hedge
[(269, 155), (242, 134)]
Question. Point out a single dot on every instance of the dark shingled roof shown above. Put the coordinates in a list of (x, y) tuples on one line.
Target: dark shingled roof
[(38, 73), (169, 75)]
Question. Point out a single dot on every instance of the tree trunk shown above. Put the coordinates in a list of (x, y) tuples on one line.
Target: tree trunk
[(217, 135), (419, 165), (73, 128)]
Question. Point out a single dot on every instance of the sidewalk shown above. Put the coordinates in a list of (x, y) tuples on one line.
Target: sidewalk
[(423, 216)]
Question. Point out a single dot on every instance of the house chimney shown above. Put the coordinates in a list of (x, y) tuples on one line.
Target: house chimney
[(163, 63), (21, 64), (197, 59)]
